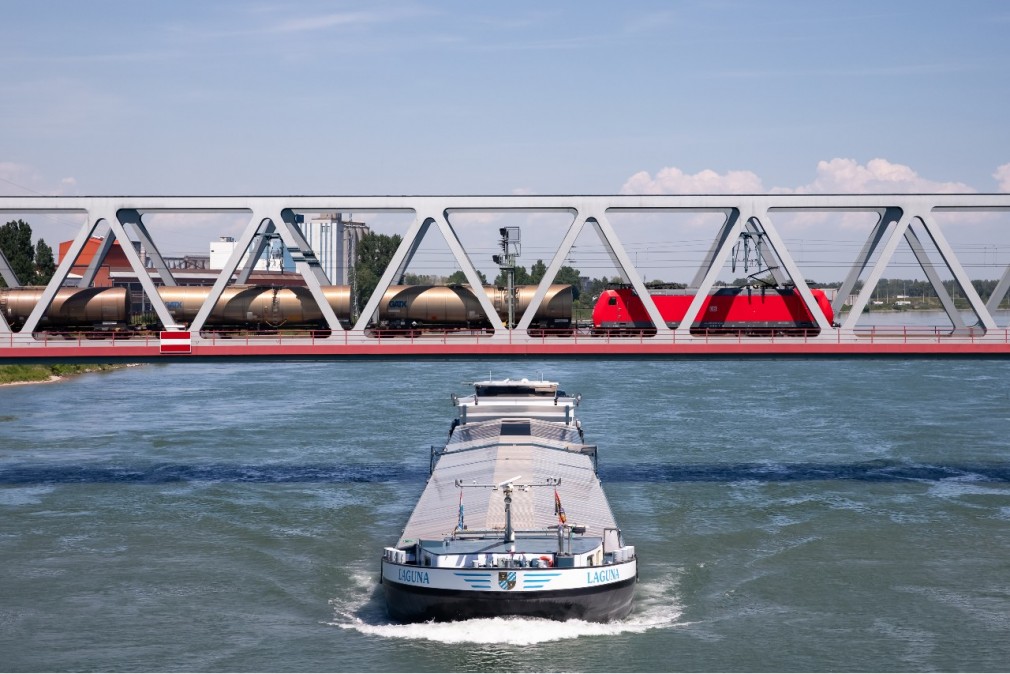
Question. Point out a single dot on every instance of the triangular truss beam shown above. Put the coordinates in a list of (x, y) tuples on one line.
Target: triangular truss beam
[(7, 272), (783, 268), (117, 231), (903, 220), (899, 223), (261, 241), (619, 257), (11, 279), (404, 254), (262, 224)]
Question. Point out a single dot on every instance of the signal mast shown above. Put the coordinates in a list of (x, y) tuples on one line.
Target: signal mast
[(506, 262)]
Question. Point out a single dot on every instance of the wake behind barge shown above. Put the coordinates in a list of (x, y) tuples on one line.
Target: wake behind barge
[(490, 536)]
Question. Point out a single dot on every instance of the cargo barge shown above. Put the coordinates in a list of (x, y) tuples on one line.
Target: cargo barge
[(490, 535)]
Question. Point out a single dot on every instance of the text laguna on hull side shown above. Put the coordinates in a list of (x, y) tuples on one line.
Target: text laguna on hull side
[(490, 536)]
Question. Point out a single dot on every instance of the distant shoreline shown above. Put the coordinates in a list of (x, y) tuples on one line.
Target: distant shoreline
[(52, 378), (23, 375)]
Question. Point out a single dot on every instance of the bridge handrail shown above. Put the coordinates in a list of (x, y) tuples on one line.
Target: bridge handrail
[(877, 334)]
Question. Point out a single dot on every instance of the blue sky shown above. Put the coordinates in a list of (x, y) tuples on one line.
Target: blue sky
[(496, 98), (490, 98)]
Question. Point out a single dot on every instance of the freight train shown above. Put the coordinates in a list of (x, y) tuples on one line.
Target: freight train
[(415, 309), (750, 311), (265, 308)]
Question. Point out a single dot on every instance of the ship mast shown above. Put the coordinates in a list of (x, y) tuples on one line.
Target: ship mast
[(507, 487)]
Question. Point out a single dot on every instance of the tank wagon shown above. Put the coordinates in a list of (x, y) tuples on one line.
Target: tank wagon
[(257, 307), (750, 311), (97, 309), (265, 308), (436, 307)]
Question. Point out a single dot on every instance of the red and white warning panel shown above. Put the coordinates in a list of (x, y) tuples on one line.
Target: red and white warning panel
[(176, 342)]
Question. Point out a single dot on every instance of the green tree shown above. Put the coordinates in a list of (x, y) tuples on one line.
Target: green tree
[(522, 278), (458, 278), (16, 244), (45, 263), (537, 271), (374, 253), (566, 275), (598, 285), (422, 279), (572, 277)]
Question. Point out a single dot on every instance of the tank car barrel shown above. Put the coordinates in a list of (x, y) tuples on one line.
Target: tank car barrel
[(71, 307), (252, 306), (456, 307)]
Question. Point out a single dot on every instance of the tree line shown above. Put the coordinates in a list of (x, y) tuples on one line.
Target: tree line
[(32, 263), (891, 288)]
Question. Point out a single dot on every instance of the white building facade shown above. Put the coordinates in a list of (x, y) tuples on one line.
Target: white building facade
[(222, 249)]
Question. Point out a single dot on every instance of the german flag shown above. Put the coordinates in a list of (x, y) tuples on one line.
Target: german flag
[(559, 509)]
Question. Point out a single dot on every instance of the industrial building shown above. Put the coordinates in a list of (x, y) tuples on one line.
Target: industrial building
[(333, 239)]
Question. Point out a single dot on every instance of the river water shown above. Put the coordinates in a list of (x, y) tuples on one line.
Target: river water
[(789, 515)]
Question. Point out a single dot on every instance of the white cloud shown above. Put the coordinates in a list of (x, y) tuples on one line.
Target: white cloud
[(325, 21), (835, 176), (22, 180), (1002, 176), (15, 179), (847, 176), (672, 180)]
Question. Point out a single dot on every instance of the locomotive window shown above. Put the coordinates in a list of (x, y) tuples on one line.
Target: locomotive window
[(612, 301)]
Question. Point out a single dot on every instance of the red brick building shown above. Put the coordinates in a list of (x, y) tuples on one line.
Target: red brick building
[(115, 261)]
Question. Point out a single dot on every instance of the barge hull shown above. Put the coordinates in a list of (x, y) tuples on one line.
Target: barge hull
[(410, 603)]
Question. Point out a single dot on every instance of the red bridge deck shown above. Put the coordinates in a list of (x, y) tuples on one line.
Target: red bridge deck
[(19, 348)]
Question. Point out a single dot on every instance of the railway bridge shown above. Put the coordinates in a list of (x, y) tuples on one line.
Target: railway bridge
[(908, 221)]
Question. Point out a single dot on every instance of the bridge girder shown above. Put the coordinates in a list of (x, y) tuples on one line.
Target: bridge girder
[(740, 213)]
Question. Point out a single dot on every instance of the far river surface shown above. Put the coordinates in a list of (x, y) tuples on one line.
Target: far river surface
[(789, 515)]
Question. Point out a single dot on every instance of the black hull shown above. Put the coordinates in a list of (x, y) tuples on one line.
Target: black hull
[(407, 603)]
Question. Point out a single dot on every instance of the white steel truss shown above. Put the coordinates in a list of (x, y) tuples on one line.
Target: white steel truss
[(751, 214)]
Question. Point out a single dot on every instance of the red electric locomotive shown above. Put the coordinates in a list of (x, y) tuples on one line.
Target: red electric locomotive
[(748, 311)]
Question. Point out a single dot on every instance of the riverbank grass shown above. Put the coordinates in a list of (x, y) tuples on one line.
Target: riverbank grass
[(17, 374)]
